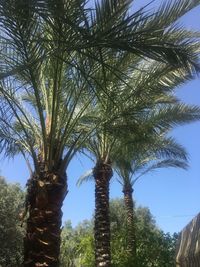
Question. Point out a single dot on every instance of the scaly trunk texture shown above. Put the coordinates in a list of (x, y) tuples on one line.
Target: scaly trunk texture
[(45, 196), (130, 211), (102, 174)]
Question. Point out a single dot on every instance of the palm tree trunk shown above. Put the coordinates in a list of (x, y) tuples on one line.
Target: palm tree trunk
[(102, 175), (45, 196), (130, 211)]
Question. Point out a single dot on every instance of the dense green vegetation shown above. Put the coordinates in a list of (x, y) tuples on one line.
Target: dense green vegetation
[(11, 232), (154, 248)]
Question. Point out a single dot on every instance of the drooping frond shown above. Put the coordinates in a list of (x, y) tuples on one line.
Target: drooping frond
[(133, 162), (90, 32), (74, 76), (170, 11), (141, 34), (169, 163), (172, 115), (166, 147), (86, 177)]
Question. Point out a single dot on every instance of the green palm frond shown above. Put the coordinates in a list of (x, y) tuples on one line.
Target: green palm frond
[(172, 115), (86, 177), (166, 147), (71, 74), (87, 32), (133, 161), (170, 11), (168, 163), (135, 33)]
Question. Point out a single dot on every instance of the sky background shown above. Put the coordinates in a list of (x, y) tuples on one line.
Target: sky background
[(172, 195)]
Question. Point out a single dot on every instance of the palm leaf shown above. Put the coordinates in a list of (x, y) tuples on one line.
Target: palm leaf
[(168, 163), (87, 176)]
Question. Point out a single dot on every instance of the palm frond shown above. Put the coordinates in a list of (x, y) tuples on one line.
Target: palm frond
[(65, 69), (140, 34), (173, 115), (167, 147), (171, 11), (87, 176), (168, 163)]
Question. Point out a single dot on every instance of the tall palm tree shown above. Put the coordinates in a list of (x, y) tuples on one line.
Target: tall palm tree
[(101, 147), (42, 112), (49, 152), (133, 120), (51, 53), (160, 152), (146, 39), (130, 72)]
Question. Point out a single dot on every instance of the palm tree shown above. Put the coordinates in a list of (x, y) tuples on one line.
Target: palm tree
[(42, 117), (102, 147), (122, 118), (131, 120), (50, 151), (160, 152), (51, 54)]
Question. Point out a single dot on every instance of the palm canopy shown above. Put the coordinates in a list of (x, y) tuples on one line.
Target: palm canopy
[(47, 86), (138, 110), (133, 162), (109, 25), (131, 159), (42, 117), (58, 57), (77, 28), (44, 97), (144, 105)]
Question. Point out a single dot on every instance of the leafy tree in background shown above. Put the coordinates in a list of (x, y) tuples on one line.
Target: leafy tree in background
[(154, 248), (77, 246), (68, 246), (11, 232), (86, 245)]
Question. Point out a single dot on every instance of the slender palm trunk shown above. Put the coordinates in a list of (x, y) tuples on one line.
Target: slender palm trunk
[(102, 175), (45, 196), (130, 211)]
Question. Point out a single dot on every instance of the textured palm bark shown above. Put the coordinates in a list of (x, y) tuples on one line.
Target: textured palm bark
[(45, 196), (131, 236), (102, 175)]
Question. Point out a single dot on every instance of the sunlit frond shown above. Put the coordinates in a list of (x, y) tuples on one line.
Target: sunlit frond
[(88, 176), (75, 75)]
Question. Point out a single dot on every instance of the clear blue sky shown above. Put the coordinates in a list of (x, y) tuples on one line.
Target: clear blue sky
[(173, 196)]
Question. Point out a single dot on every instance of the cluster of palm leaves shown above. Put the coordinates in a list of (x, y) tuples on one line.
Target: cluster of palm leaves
[(96, 80)]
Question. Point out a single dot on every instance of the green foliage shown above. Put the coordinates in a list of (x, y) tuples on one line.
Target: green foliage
[(154, 247), (77, 247), (86, 247), (11, 232), (57, 61), (68, 246), (59, 57)]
